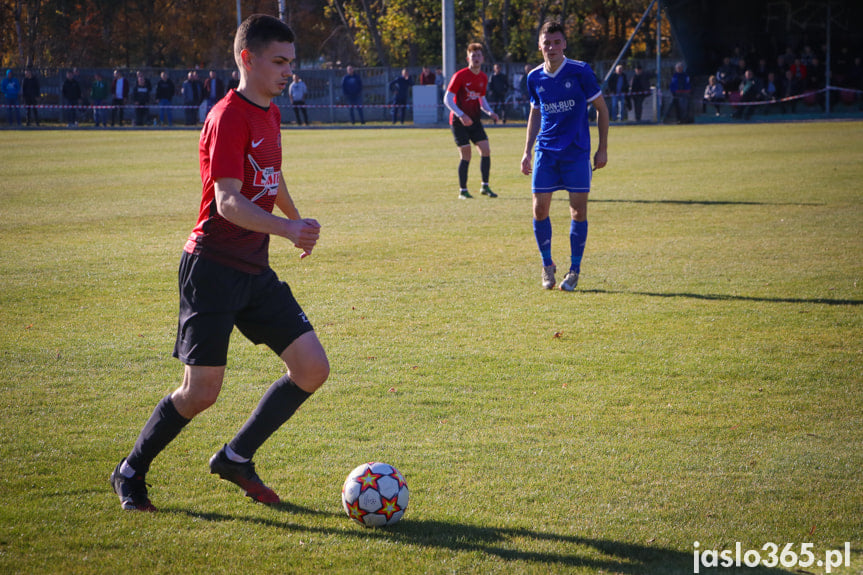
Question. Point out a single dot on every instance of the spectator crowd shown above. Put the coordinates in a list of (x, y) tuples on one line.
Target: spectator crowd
[(741, 85), (118, 100)]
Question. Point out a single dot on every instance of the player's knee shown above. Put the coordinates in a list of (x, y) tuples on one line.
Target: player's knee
[(205, 399), (199, 390), (189, 402), (579, 215), (322, 373), (311, 376)]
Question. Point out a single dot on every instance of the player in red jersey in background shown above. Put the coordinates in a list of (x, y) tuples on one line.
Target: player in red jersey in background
[(225, 278), (465, 97)]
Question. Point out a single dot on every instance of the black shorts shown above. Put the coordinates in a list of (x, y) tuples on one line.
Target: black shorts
[(214, 298), (464, 135)]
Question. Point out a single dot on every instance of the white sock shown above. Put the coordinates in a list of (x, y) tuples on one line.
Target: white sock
[(233, 456), (126, 470)]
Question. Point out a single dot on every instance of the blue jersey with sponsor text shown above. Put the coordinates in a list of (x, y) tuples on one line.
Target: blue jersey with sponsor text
[(562, 97)]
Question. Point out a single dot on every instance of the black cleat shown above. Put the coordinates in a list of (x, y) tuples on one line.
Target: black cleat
[(243, 475), (132, 491)]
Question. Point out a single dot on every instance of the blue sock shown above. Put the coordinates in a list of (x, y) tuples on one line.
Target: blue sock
[(577, 239), (542, 231)]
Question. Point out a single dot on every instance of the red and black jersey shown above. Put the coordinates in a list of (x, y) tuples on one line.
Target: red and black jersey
[(469, 88), (243, 141)]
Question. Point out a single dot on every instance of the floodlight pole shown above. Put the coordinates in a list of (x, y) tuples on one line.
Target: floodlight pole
[(239, 14), (448, 48), (658, 97), (827, 69), (628, 43)]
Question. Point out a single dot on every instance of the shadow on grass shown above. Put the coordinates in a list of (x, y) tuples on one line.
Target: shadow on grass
[(701, 202), (725, 297), (563, 197), (515, 545)]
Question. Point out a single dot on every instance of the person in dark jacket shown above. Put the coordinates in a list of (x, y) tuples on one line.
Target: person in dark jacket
[(71, 91), (11, 88), (400, 88), (98, 97), (498, 88), (352, 87), (141, 97), (31, 92), (119, 93), (680, 89), (618, 86), (639, 89), (165, 91), (193, 95)]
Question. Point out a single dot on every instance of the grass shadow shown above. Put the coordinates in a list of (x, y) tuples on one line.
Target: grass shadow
[(515, 545), (563, 197), (702, 202), (726, 297)]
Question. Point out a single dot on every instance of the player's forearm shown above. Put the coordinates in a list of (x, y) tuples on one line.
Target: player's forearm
[(602, 121), (449, 102), (286, 203), (533, 121), (239, 210), (287, 206)]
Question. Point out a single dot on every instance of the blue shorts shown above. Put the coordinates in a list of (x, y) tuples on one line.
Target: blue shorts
[(554, 171), (214, 298)]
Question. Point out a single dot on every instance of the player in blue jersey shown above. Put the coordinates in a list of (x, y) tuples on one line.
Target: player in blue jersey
[(558, 132)]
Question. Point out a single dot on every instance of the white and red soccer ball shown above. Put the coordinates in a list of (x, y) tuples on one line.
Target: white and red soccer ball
[(375, 494)]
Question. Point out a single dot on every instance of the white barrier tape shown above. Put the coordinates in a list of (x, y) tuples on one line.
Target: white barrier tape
[(782, 100), (627, 94), (175, 107), (389, 106)]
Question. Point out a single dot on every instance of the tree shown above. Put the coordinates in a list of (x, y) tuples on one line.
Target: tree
[(180, 33)]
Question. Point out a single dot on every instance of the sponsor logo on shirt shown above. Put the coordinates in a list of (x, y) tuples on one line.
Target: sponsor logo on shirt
[(267, 178), (560, 107)]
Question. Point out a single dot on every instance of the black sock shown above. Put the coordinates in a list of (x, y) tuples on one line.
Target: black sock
[(485, 167), (163, 426), (462, 174), (275, 408)]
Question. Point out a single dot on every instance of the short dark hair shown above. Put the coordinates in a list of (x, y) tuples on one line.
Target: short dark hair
[(257, 31), (552, 26)]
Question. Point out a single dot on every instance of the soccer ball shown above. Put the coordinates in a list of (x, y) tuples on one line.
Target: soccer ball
[(375, 494)]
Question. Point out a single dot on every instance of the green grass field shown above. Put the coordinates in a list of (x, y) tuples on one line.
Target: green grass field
[(704, 383)]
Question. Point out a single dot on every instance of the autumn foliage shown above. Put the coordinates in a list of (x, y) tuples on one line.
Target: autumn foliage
[(182, 33)]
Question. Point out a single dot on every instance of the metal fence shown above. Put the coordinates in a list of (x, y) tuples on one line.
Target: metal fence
[(325, 103)]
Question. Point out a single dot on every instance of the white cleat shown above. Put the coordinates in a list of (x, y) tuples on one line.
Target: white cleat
[(569, 281)]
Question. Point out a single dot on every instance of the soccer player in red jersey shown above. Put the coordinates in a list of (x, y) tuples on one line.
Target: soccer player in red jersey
[(225, 279), (465, 97)]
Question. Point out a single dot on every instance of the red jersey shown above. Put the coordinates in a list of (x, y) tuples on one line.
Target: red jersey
[(468, 89), (243, 141)]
